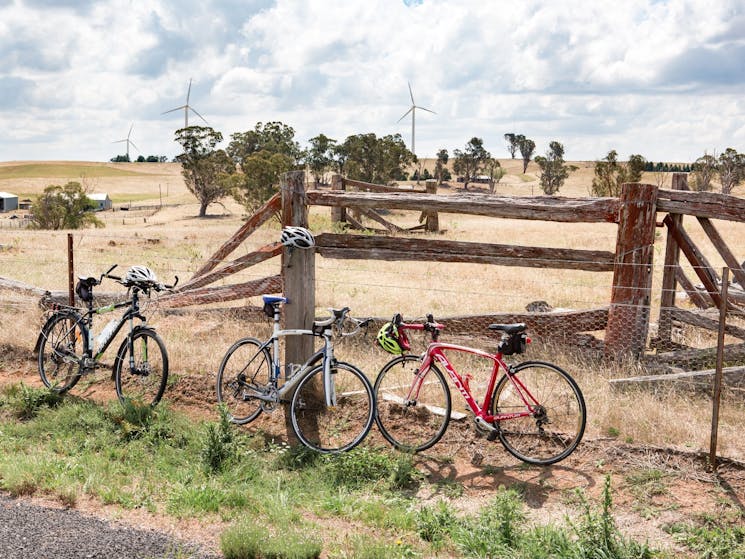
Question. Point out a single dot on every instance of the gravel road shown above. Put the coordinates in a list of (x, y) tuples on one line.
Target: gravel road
[(32, 532)]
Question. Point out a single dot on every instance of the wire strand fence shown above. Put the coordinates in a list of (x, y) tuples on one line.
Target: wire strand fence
[(466, 296)]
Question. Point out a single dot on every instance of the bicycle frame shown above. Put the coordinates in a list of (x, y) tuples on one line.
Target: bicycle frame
[(93, 355), (435, 352), (326, 353)]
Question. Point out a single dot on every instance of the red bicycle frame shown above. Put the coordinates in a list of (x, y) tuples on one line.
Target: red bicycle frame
[(435, 352)]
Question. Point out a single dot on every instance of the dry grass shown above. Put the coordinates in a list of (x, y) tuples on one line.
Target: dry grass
[(173, 241)]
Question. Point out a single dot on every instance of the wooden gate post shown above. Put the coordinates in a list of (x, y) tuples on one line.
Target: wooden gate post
[(298, 270), (672, 258), (432, 221), (338, 213), (628, 318)]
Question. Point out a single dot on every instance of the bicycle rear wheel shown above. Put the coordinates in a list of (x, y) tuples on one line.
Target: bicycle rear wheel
[(143, 380), (333, 428), (244, 374), (63, 342), (555, 428), (416, 424)]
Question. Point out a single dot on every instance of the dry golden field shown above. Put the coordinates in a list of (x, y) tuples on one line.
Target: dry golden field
[(174, 241), (629, 433)]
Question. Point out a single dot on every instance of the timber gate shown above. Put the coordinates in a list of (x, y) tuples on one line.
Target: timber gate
[(625, 321)]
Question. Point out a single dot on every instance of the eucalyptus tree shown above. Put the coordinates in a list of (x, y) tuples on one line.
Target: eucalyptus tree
[(731, 169), (441, 165), (526, 146), (469, 161), (512, 144), (206, 170), (64, 207), (554, 170), (320, 156), (703, 173), (610, 173), (371, 159), (262, 156)]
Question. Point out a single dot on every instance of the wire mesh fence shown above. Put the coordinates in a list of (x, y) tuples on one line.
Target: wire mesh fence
[(566, 310)]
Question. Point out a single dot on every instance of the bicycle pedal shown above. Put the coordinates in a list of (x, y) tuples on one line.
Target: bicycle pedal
[(492, 436)]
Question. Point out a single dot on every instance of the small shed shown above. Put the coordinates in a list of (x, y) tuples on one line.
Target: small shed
[(25, 204), (8, 202), (100, 200)]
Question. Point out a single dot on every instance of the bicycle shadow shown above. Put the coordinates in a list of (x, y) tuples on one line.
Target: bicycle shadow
[(488, 470)]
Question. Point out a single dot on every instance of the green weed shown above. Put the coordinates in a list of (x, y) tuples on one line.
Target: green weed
[(219, 445), (26, 401), (248, 541)]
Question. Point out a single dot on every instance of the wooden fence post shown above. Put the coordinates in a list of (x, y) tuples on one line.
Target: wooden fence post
[(338, 213), (298, 270), (672, 258), (432, 224), (628, 318)]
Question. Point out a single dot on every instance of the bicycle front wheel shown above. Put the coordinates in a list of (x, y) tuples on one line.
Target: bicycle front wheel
[(411, 422), (244, 375), (141, 375), (555, 426), (63, 343), (338, 427)]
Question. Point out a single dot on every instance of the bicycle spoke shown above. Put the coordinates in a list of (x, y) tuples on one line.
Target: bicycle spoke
[(141, 380), (63, 346), (556, 425), (415, 424), (242, 378), (338, 427)]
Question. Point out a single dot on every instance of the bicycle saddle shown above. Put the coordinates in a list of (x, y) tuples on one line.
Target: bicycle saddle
[(509, 328), (88, 281)]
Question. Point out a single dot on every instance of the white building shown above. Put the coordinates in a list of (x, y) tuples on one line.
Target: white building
[(8, 202), (101, 201)]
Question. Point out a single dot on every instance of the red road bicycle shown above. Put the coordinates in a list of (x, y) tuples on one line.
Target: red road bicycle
[(535, 408)]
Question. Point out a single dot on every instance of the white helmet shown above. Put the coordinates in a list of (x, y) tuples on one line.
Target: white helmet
[(297, 237), (140, 275)]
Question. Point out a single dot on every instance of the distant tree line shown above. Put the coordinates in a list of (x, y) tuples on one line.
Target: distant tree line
[(141, 159), (249, 168)]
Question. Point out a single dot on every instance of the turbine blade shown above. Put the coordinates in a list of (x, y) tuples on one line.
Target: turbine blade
[(411, 94), (134, 146), (130, 129), (422, 108), (196, 113), (406, 113), (176, 109), (188, 92)]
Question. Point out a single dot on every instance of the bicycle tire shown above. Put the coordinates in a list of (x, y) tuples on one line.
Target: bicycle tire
[(145, 383), (244, 370), (554, 432), (411, 427), (333, 429), (63, 343)]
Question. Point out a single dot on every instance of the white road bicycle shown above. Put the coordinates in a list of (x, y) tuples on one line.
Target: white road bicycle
[(331, 402)]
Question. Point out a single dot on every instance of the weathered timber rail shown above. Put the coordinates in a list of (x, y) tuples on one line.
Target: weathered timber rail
[(543, 208), (331, 245)]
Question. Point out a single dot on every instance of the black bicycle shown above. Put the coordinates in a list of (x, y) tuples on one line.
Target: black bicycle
[(68, 349)]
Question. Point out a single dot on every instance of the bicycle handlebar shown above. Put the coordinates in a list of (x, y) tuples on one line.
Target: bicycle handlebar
[(338, 318), (119, 279), (429, 325)]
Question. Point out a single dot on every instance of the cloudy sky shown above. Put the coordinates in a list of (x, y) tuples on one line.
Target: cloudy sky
[(661, 78)]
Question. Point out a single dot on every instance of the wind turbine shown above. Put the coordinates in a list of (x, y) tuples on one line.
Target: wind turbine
[(412, 110), (187, 108), (129, 142)]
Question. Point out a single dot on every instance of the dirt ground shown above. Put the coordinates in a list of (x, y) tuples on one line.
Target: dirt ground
[(681, 489)]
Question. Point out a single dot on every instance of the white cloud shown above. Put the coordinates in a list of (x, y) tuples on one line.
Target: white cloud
[(660, 78)]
